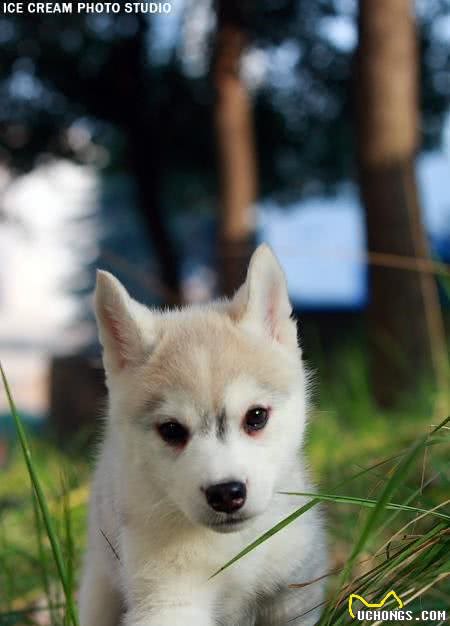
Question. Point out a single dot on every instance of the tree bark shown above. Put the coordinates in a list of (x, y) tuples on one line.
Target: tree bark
[(405, 324), (236, 148), (124, 83), (146, 149)]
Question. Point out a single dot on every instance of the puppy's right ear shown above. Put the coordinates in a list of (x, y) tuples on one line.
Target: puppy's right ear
[(262, 305), (124, 325)]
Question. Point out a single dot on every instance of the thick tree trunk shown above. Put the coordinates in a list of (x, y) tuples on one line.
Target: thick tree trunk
[(404, 316), (236, 148), (77, 394)]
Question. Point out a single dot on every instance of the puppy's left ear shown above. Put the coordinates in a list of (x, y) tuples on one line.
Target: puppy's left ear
[(125, 327), (263, 299)]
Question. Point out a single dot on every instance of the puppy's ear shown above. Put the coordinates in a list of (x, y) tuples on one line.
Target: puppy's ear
[(124, 325), (263, 299)]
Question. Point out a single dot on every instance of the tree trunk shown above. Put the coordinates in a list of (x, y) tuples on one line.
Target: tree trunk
[(236, 148), (146, 148), (405, 324), (144, 127), (77, 394)]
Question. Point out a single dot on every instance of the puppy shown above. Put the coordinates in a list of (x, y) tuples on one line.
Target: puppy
[(207, 410)]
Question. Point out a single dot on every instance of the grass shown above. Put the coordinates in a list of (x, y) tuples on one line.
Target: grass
[(43, 518), (384, 480)]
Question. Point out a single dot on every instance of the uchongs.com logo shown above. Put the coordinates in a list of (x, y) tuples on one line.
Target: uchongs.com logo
[(394, 612)]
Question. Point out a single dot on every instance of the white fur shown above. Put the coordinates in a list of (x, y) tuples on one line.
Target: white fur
[(148, 499)]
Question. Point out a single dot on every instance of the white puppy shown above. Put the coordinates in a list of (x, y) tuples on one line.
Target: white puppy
[(207, 409)]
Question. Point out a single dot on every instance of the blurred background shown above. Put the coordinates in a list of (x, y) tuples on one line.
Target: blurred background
[(164, 147)]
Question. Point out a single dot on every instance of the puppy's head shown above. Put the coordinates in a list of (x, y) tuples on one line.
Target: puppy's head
[(207, 403)]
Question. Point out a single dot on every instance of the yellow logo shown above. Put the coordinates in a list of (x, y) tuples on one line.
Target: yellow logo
[(377, 605)]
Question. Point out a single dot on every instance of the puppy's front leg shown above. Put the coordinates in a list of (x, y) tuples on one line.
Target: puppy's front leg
[(163, 586), (293, 607), (99, 603), (169, 616)]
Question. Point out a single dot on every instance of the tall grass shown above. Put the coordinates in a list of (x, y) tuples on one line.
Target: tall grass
[(42, 513)]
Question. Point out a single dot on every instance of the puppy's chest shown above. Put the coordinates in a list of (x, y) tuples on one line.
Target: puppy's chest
[(198, 558)]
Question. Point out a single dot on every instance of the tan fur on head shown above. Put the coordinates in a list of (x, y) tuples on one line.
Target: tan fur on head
[(128, 330)]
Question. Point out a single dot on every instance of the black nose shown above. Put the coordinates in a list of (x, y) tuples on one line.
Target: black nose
[(226, 497)]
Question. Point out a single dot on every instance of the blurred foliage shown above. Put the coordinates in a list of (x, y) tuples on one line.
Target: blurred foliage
[(79, 86)]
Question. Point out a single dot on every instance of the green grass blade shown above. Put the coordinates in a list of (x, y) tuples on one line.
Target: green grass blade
[(412, 496), (367, 502), (68, 539), (46, 517), (41, 553), (275, 529)]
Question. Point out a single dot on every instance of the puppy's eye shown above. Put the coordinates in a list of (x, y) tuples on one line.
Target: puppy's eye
[(173, 433), (255, 419)]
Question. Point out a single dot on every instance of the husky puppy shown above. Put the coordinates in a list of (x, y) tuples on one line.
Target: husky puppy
[(207, 409)]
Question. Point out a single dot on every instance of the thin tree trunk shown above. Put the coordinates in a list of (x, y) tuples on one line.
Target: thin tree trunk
[(144, 126), (236, 148), (145, 140), (405, 324)]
